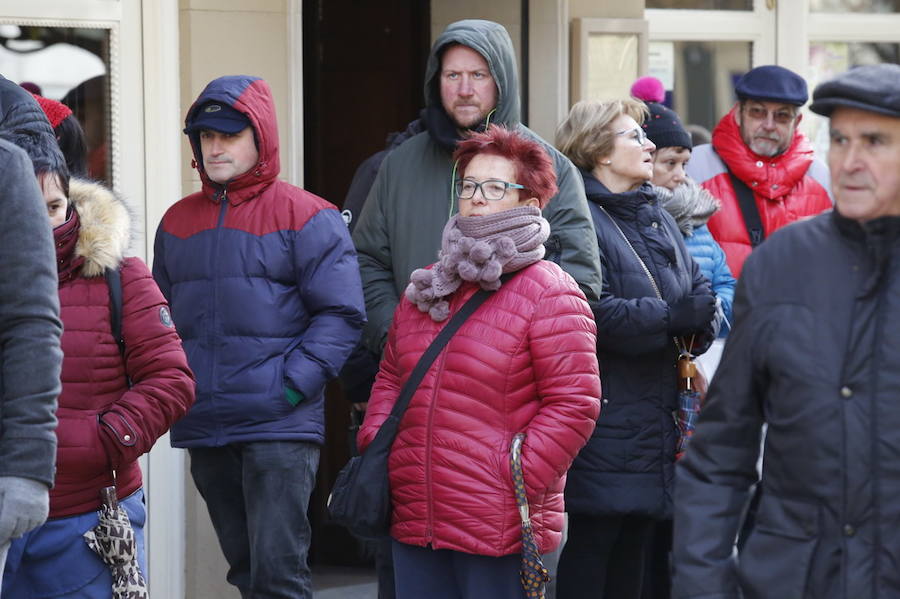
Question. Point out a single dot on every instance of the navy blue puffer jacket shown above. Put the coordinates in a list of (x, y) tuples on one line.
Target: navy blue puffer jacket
[(627, 466)]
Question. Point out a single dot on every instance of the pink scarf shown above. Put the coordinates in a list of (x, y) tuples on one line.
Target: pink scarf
[(478, 249)]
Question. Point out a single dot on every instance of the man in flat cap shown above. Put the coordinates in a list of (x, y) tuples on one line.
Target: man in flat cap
[(815, 354), (264, 287), (759, 164)]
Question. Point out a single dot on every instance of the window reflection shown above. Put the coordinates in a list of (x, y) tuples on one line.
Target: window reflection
[(702, 4), (829, 59), (700, 76), (859, 6), (71, 65)]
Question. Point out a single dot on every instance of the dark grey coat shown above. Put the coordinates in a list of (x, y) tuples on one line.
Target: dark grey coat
[(30, 329), (412, 198), (815, 354)]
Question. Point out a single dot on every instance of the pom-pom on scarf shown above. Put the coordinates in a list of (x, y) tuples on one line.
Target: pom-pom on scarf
[(478, 249)]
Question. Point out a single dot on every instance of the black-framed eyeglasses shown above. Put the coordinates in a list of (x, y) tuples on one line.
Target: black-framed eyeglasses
[(640, 136), (491, 189)]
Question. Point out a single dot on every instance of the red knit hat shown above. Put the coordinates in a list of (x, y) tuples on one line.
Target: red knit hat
[(56, 112)]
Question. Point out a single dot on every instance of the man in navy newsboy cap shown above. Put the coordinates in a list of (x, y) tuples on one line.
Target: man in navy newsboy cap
[(759, 164), (814, 354)]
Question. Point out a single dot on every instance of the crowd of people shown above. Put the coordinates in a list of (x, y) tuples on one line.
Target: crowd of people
[(610, 258)]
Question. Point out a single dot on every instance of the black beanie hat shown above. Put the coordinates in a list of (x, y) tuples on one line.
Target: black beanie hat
[(664, 128)]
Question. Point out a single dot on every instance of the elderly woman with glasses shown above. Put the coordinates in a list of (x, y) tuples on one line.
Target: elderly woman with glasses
[(524, 362), (654, 299)]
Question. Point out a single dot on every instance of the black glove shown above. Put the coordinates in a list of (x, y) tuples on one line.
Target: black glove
[(690, 314)]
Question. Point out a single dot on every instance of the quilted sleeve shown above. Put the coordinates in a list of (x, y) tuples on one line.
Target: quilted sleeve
[(562, 340)]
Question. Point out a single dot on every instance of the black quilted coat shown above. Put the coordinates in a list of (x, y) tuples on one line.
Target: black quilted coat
[(627, 465)]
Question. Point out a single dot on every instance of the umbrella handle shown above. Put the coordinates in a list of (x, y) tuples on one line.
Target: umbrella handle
[(515, 462), (109, 498)]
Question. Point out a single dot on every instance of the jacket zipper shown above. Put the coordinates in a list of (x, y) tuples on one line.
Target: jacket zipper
[(223, 203), (429, 497)]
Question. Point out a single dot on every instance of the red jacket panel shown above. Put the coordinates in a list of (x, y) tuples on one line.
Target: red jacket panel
[(524, 362), (104, 425), (786, 188)]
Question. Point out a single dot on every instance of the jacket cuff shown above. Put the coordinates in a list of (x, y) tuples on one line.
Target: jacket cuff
[(29, 458), (117, 436)]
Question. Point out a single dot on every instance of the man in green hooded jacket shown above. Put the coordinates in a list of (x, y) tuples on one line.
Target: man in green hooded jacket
[(470, 82)]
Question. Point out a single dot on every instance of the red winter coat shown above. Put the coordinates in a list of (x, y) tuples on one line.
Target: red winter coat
[(524, 362), (104, 425), (787, 187)]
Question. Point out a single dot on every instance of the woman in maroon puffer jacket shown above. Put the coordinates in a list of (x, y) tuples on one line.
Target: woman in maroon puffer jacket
[(524, 362), (113, 406)]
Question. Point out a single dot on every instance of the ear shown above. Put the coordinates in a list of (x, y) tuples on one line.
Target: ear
[(530, 202), (799, 118), (737, 113)]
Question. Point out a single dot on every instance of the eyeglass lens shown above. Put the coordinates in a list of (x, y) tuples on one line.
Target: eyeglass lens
[(492, 189)]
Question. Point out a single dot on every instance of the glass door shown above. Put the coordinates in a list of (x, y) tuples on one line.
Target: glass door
[(699, 48)]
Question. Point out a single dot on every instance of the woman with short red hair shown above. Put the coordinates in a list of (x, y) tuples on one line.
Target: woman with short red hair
[(524, 362)]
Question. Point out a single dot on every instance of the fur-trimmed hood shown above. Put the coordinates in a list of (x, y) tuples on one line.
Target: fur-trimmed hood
[(690, 205), (105, 228)]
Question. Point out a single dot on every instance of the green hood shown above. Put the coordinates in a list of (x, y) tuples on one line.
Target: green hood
[(491, 41)]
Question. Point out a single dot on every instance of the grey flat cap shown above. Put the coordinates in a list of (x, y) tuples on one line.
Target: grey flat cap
[(875, 88)]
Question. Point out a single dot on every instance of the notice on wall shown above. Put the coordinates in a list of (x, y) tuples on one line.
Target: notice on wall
[(613, 60), (661, 62)]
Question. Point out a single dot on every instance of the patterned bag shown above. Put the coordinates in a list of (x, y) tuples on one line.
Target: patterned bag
[(533, 574)]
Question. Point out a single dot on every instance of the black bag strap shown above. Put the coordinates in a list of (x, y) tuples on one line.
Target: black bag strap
[(749, 210), (430, 355), (114, 282)]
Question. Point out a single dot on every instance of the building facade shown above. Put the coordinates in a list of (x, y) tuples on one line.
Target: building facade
[(344, 74)]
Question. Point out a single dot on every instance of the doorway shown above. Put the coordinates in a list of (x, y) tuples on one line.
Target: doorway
[(363, 78)]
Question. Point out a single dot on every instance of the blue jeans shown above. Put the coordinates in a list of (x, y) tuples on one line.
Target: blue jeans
[(257, 495), (53, 560), (423, 572)]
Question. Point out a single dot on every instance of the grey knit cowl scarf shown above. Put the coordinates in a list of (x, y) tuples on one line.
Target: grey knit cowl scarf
[(478, 249)]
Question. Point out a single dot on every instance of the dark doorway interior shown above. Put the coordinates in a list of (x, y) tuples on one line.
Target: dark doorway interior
[(363, 71)]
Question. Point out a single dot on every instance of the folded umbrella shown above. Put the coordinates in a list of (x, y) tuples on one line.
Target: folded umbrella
[(689, 401), (113, 540), (533, 575)]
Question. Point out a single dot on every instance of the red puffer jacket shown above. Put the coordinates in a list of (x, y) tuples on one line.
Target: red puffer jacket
[(524, 362), (104, 425), (787, 187)]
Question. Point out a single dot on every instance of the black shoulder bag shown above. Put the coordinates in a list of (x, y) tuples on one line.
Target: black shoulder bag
[(749, 210), (361, 497)]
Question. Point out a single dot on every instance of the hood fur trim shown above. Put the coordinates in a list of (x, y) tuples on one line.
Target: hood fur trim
[(105, 226), (690, 205)]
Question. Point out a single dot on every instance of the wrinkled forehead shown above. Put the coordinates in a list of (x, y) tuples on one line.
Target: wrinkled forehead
[(850, 121), (460, 53)]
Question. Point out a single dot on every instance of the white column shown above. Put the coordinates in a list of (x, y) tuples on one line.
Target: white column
[(164, 469)]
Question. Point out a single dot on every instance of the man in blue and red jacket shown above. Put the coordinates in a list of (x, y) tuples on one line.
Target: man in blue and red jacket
[(264, 288)]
